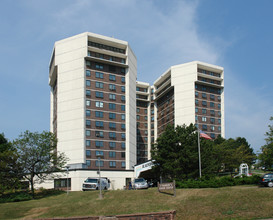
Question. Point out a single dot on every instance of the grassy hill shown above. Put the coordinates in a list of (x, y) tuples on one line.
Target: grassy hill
[(239, 202)]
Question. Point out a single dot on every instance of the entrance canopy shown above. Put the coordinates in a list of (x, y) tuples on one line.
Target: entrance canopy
[(140, 169)]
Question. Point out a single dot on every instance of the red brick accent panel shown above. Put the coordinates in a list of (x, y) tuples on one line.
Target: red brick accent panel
[(168, 215)]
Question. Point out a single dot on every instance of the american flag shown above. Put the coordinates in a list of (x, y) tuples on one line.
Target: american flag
[(204, 135)]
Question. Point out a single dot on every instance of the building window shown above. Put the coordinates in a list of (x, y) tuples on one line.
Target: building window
[(99, 85), (123, 126), (204, 127), (87, 113), (112, 135), (99, 94), (204, 103), (87, 133), (88, 102), (196, 94), (112, 77), (123, 79), (212, 97), (212, 135), (196, 102), (122, 154), (98, 114), (123, 145), (204, 111), (88, 73), (196, 118), (122, 98), (88, 153), (123, 164), (99, 134), (112, 154), (212, 120), (99, 104), (112, 115), (204, 119), (145, 118), (99, 163), (212, 128), (219, 113), (123, 136), (112, 96), (137, 110), (112, 87), (112, 125), (88, 93), (219, 106), (122, 70), (87, 143), (122, 116), (99, 124), (138, 117), (112, 144), (219, 98), (112, 106), (99, 66), (152, 118), (212, 104), (122, 107), (204, 95), (219, 121), (112, 163), (123, 88), (219, 128), (99, 75), (99, 143), (212, 112), (88, 162), (88, 83), (99, 153), (88, 123)]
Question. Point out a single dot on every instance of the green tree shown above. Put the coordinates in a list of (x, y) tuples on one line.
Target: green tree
[(38, 156), (176, 153), (9, 168), (266, 157), (231, 153)]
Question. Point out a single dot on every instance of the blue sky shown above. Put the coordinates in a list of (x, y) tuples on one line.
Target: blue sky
[(237, 35)]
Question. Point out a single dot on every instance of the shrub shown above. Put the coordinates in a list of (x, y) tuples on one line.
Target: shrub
[(15, 197), (217, 182)]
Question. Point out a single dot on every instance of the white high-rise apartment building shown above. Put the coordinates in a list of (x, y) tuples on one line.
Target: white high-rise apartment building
[(104, 118)]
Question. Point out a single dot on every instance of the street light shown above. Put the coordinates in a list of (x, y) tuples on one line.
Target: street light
[(100, 195), (67, 170)]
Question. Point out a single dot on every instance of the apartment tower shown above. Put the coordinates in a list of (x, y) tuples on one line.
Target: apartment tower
[(93, 101), (104, 118)]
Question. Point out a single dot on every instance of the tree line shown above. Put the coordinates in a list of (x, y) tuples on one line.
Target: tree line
[(175, 154)]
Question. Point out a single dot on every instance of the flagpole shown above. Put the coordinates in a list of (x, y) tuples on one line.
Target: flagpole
[(199, 154)]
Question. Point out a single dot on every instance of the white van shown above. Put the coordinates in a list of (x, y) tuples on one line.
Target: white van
[(94, 184)]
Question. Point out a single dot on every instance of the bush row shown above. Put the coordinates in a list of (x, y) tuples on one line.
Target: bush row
[(15, 197), (218, 182)]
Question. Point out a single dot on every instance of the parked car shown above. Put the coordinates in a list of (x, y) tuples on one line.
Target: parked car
[(140, 183), (94, 184), (267, 180)]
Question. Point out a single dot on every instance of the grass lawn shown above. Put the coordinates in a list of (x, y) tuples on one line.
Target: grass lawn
[(238, 202)]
